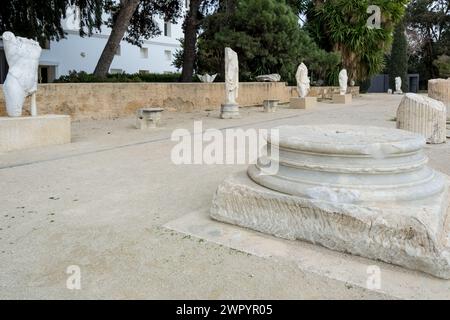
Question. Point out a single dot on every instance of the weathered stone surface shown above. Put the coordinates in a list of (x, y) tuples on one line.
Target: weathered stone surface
[(275, 77), (270, 105), (303, 83), (439, 89), (23, 60), (18, 133), (423, 115), (112, 100), (147, 118), (303, 103), (342, 98), (229, 111), (361, 190)]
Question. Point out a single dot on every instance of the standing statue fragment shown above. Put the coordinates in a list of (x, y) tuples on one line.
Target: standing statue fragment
[(230, 109), (343, 97), (23, 59), (398, 85), (343, 82), (303, 83), (303, 89)]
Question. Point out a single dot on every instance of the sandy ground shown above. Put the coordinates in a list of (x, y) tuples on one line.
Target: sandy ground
[(101, 201)]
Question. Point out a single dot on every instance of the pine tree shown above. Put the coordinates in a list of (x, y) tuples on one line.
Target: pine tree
[(267, 38)]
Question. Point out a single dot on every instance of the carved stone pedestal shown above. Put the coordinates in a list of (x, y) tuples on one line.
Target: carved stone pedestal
[(229, 111), (361, 190), (303, 103), (342, 98)]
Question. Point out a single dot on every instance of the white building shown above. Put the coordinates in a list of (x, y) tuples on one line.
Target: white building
[(82, 54)]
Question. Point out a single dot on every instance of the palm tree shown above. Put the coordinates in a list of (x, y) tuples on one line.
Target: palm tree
[(342, 26)]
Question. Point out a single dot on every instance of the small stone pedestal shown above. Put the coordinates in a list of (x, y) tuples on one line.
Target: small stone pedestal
[(148, 118), (270, 105), (362, 190), (229, 111), (30, 132), (342, 98), (303, 103)]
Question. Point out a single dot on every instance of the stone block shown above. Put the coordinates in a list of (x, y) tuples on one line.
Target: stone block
[(18, 133), (270, 105), (439, 89), (423, 115), (229, 111), (148, 118), (303, 103), (342, 98)]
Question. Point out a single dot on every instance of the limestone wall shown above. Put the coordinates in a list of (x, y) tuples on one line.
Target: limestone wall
[(111, 100)]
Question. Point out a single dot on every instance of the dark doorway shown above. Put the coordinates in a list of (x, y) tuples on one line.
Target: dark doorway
[(379, 83)]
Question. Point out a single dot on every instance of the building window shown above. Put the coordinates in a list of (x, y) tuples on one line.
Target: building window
[(115, 71), (167, 29), (168, 55), (144, 71), (119, 50), (144, 53)]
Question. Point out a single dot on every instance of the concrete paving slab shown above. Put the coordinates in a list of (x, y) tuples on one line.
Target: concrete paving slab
[(395, 282)]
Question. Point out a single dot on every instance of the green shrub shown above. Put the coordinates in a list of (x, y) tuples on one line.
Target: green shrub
[(82, 76)]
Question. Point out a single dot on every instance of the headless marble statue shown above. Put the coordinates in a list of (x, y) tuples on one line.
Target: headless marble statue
[(398, 85), (343, 82), (23, 59), (231, 76), (301, 76)]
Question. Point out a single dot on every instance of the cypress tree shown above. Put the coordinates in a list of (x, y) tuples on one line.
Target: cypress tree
[(398, 62)]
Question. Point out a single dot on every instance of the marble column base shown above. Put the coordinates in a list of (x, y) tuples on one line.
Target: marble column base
[(408, 234), (229, 111), (342, 98), (358, 189)]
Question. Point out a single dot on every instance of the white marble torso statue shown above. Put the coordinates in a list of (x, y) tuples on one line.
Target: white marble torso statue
[(23, 59), (231, 76), (343, 82), (302, 80), (398, 84)]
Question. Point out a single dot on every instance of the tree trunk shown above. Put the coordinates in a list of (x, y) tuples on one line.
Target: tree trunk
[(190, 40), (128, 7)]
